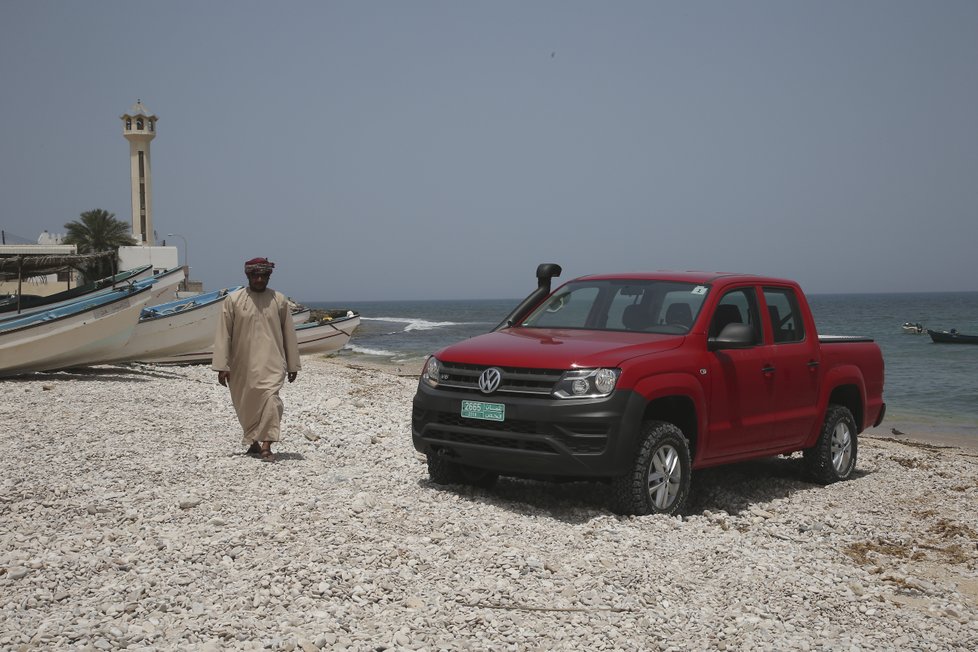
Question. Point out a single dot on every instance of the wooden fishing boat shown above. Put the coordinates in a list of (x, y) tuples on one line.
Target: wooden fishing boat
[(30, 304), (951, 337), (80, 333), (174, 328), (301, 316)]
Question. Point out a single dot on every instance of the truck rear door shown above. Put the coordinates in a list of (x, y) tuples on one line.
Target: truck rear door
[(796, 363)]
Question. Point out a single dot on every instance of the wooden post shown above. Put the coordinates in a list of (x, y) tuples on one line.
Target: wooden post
[(20, 279)]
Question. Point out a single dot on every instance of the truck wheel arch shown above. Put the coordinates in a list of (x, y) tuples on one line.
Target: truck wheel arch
[(676, 399)]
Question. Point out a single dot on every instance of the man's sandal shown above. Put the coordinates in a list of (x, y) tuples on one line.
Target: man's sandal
[(268, 456), (254, 450)]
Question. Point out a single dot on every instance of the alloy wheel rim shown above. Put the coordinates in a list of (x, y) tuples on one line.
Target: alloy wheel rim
[(665, 474), (841, 447)]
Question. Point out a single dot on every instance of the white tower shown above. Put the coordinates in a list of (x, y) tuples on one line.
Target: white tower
[(139, 127)]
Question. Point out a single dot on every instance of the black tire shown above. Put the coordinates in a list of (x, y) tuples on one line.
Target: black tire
[(442, 470), (658, 482), (833, 457)]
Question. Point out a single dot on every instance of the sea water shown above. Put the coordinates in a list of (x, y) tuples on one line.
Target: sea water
[(929, 387)]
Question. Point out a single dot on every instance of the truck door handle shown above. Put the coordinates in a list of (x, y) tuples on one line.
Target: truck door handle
[(767, 370), (812, 364)]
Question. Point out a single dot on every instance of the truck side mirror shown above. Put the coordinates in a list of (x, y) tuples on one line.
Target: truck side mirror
[(733, 336)]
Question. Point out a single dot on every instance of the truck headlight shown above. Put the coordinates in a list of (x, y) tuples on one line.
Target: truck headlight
[(586, 383), (431, 372)]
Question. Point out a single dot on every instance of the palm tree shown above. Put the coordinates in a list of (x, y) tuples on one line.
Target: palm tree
[(96, 231)]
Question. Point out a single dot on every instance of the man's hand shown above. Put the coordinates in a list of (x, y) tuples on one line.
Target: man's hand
[(223, 377), (292, 375)]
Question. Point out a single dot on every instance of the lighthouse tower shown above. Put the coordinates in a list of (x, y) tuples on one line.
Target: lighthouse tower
[(139, 128)]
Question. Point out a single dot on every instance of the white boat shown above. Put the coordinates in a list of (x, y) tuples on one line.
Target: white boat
[(74, 335), (327, 336), (916, 329), (301, 316), (8, 308), (174, 328), (165, 289)]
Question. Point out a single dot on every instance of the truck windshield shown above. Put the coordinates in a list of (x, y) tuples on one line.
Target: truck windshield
[(666, 307)]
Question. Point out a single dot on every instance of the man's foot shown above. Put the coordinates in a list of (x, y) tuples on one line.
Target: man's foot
[(268, 456), (254, 450)]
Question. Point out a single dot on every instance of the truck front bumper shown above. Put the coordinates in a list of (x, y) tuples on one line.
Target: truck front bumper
[(539, 437)]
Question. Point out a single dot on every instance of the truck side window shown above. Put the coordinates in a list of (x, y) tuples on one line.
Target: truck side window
[(737, 307), (782, 306)]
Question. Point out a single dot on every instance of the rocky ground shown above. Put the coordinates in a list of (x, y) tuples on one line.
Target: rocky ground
[(131, 518)]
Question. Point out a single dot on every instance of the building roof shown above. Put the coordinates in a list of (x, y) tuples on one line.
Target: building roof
[(138, 109)]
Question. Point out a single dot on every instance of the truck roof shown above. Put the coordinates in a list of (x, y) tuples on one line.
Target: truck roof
[(705, 278)]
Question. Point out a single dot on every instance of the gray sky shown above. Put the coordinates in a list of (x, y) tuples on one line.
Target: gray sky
[(415, 150)]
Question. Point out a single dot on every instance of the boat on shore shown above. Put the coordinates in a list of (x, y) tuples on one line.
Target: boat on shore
[(80, 333), (163, 290), (319, 337), (951, 337), (173, 328), (326, 336), (29, 304)]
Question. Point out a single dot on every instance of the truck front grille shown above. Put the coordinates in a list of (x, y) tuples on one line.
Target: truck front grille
[(516, 381), (577, 437)]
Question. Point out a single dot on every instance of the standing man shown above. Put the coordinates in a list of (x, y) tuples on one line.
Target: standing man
[(254, 348)]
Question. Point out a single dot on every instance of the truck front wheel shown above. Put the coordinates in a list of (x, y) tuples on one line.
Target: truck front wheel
[(658, 481), (442, 470), (833, 457)]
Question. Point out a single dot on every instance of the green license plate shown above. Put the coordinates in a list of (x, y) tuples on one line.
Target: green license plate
[(485, 411)]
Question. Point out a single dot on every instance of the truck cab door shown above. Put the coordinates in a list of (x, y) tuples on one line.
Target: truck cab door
[(797, 368), (742, 389)]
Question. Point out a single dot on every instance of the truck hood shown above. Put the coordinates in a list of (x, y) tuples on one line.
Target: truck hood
[(547, 348)]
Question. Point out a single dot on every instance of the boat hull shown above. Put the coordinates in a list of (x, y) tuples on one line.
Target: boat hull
[(165, 288), (102, 287), (945, 337), (326, 336), (82, 338), (173, 329), (319, 338)]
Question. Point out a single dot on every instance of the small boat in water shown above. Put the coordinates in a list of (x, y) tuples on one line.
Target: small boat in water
[(916, 329), (80, 333), (174, 328), (951, 337)]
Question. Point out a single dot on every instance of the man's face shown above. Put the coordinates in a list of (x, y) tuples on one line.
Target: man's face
[(258, 281)]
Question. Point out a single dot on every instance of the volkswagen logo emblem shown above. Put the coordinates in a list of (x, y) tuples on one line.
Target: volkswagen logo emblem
[(490, 379)]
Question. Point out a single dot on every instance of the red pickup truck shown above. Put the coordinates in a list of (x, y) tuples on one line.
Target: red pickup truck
[(638, 379)]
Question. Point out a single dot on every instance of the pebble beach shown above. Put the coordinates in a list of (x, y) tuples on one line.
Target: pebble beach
[(133, 519)]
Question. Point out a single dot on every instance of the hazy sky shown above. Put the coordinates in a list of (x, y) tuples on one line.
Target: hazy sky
[(413, 150)]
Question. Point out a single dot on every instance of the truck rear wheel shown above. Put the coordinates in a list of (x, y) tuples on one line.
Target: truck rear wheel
[(658, 481), (442, 470), (833, 457)]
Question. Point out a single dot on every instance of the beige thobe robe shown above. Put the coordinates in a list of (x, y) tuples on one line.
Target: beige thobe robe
[(256, 342)]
